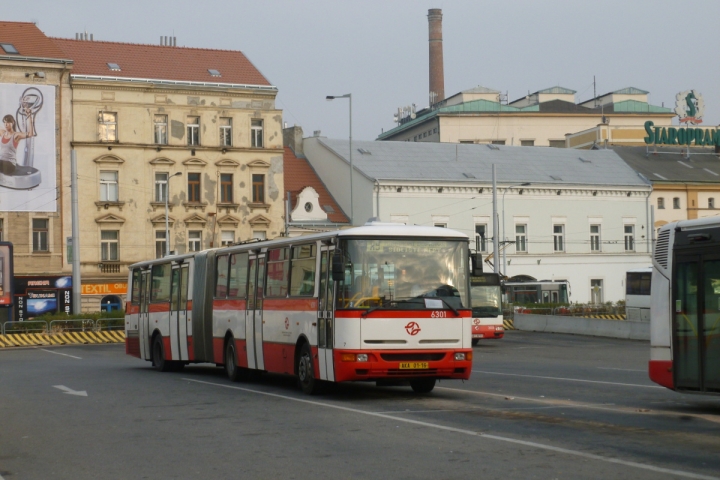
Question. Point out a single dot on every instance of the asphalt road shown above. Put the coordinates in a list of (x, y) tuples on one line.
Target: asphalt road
[(543, 406)]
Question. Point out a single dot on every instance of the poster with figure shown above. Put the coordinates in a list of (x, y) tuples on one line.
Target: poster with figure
[(27, 148)]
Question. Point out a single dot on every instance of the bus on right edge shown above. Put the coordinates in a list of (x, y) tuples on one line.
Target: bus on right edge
[(685, 307)]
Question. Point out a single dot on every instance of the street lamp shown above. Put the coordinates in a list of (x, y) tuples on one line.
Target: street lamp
[(349, 97), (167, 223), (504, 264)]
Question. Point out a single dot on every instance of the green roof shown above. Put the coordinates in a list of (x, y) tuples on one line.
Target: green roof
[(558, 89), (630, 91), (633, 106)]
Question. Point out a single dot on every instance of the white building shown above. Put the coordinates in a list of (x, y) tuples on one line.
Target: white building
[(580, 216)]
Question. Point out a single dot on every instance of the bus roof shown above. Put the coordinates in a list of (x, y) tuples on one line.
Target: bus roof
[(706, 222)]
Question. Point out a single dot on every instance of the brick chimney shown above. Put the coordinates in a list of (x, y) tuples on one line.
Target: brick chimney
[(437, 76)]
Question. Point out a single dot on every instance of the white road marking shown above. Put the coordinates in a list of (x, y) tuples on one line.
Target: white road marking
[(58, 353), (570, 379), (541, 446), (70, 391), (621, 369)]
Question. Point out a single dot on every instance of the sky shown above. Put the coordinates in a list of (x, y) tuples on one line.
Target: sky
[(377, 50)]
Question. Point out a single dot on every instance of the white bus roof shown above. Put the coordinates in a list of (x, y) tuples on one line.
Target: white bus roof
[(706, 222)]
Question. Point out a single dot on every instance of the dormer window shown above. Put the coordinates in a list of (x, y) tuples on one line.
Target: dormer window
[(214, 73), (114, 67), (9, 48)]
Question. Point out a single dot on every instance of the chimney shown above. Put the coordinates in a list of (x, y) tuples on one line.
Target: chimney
[(437, 76)]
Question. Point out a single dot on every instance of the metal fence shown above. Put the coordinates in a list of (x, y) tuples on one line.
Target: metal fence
[(62, 326), (574, 310)]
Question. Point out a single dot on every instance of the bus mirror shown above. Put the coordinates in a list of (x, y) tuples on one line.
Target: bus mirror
[(338, 267), (476, 261)]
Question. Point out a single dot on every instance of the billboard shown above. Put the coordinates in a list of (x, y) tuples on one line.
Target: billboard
[(37, 295), (27, 148)]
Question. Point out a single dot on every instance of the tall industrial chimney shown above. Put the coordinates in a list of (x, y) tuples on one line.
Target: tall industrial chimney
[(437, 76)]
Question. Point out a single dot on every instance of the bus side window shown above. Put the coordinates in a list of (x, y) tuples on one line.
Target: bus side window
[(135, 296)]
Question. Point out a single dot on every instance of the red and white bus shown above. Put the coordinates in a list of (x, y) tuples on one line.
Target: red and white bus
[(383, 302), (685, 307), (486, 304)]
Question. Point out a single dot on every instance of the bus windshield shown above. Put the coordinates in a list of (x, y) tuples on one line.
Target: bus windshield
[(404, 274), (485, 300)]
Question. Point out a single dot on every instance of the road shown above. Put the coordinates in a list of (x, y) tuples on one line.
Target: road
[(542, 406)]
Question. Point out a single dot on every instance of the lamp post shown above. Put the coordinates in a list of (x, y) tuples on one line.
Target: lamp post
[(526, 184), (167, 223), (349, 97)]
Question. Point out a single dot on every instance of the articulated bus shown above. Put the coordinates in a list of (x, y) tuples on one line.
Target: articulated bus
[(486, 303), (685, 307), (387, 303), (637, 294)]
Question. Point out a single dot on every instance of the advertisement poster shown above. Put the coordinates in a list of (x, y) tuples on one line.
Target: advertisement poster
[(35, 296), (27, 148), (6, 274)]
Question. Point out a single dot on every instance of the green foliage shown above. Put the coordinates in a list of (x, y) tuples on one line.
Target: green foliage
[(83, 316)]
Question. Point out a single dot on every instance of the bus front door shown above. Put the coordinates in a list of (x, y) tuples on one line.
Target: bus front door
[(254, 317), (144, 320), (326, 317), (696, 323)]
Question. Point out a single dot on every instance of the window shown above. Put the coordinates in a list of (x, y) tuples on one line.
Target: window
[(256, 133), (661, 203), (594, 238), (498, 142), (302, 281), (226, 188), (481, 238), (40, 234), (109, 186), (237, 286), (161, 187), (194, 240), (160, 243), (521, 238), (711, 203), (221, 276), (559, 238), (107, 126), (441, 225), (676, 203), (161, 129), (596, 291), (278, 272), (160, 287), (227, 237), (9, 48), (226, 132), (109, 245), (527, 143), (258, 188), (259, 235), (629, 238), (1, 229), (193, 187), (193, 130), (557, 143)]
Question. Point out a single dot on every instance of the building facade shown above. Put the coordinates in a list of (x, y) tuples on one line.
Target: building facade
[(560, 215)]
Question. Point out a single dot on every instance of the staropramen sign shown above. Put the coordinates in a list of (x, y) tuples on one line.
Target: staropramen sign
[(690, 107)]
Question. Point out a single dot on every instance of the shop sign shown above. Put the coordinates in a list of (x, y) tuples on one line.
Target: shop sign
[(681, 135), (104, 288)]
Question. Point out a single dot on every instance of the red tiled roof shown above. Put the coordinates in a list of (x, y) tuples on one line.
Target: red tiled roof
[(160, 62), (298, 174), (29, 40)]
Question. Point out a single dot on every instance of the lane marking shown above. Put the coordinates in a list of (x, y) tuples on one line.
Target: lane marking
[(541, 446), (570, 379), (58, 353), (621, 369), (70, 391)]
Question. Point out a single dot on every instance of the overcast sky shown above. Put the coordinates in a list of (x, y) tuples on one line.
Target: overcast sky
[(378, 50)]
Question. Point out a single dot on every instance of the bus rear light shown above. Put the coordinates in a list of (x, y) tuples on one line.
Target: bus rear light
[(460, 356)]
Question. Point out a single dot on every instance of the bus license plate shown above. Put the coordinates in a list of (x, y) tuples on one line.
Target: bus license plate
[(414, 365)]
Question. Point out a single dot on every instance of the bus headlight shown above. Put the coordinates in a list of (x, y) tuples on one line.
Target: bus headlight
[(362, 357), (460, 356)]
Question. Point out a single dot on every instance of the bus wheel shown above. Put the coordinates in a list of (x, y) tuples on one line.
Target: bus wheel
[(306, 372), (475, 341), (234, 372), (422, 385), (158, 356)]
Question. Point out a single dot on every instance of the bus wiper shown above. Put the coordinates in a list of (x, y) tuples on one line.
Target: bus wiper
[(454, 310), (385, 303)]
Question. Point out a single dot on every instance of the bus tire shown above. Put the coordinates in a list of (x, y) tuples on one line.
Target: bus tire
[(158, 355), (422, 385), (306, 372), (475, 341), (234, 372)]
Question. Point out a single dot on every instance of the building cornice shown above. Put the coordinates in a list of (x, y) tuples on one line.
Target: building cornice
[(482, 191), (74, 78), (156, 147)]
